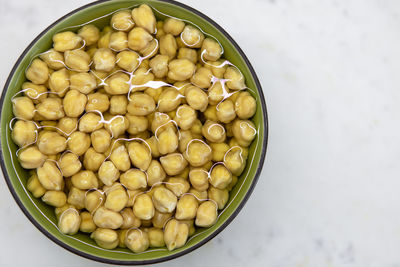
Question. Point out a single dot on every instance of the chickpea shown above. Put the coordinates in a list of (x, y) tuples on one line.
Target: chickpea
[(121, 237), (218, 151), (211, 49), (175, 234), (141, 77), (34, 186), (90, 122), (77, 60), (185, 117), (244, 131), (196, 98), (104, 60), (141, 104), (143, 207), (226, 111), (160, 219), (140, 155), (130, 220), (116, 198), (55, 198), (218, 68), (167, 141), (149, 51), (104, 41), (154, 92), (105, 238), (173, 26), (93, 200), (78, 143), (101, 140), (120, 158), (192, 37), (69, 164), (169, 100), (97, 102), (173, 164), (118, 41), (53, 59), (199, 178), (51, 143), (76, 197), (93, 160), (137, 240), (220, 196), (69, 221), (156, 237), (23, 107), (164, 200), (74, 103), (155, 173), (108, 173), (37, 72), (233, 183), (197, 153), (245, 105), (235, 79), (178, 185), (31, 158), (160, 122), (200, 195), (214, 132), (138, 39), (59, 81), (51, 109), (220, 177), (168, 46), (128, 60), (202, 78), (185, 138), (105, 218), (217, 92), (186, 208), (50, 176), (35, 92), (64, 41), (159, 65), (87, 224), (24, 133), (90, 34), (116, 125), (83, 82), (187, 53), (85, 180), (67, 126), (134, 179), (122, 20), (235, 161), (137, 124), (143, 17), (180, 69), (118, 104), (206, 215)]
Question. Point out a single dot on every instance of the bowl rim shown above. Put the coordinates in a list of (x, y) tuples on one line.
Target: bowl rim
[(205, 240)]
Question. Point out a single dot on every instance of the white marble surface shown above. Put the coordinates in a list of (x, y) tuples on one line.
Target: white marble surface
[(329, 192)]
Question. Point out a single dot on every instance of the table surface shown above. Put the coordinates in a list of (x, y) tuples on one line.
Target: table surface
[(329, 191)]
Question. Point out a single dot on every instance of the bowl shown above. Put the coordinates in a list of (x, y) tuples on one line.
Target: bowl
[(42, 216)]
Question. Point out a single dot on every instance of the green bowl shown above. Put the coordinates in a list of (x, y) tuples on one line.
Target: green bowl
[(42, 216)]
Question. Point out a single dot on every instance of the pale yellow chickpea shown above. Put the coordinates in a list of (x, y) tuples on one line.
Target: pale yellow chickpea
[(233, 183), (116, 198), (186, 207), (105, 238), (185, 137), (69, 221), (108, 173), (34, 186), (168, 46), (220, 176), (53, 59), (137, 124), (155, 173), (226, 111), (76, 197), (51, 143), (234, 160), (217, 92), (211, 49), (105, 218), (218, 151), (130, 220), (173, 164), (235, 79), (175, 234), (180, 69), (77, 60), (137, 240), (198, 178), (118, 104), (51, 109), (143, 207), (87, 224), (64, 41), (197, 153), (159, 29), (92, 160), (218, 67), (122, 20), (121, 237), (90, 122), (69, 164), (83, 82), (50, 176), (154, 92), (156, 237), (167, 141), (116, 125), (143, 17), (35, 92), (160, 122), (164, 200), (37, 72), (97, 102), (120, 158), (196, 98), (187, 53), (134, 179), (23, 107), (185, 117), (150, 50), (152, 142), (206, 215), (74, 103), (177, 185), (93, 200), (200, 195), (24, 133), (127, 60), (202, 78), (55, 198), (90, 34), (67, 126), (245, 105), (140, 155), (101, 140), (141, 104), (160, 219), (173, 26), (132, 196), (59, 81), (104, 40), (244, 131), (104, 60), (220, 196), (78, 143), (31, 157), (85, 180), (141, 77), (118, 41), (138, 39), (169, 100), (214, 132), (192, 36), (159, 65)]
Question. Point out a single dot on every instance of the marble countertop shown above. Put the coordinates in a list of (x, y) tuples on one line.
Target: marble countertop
[(329, 191)]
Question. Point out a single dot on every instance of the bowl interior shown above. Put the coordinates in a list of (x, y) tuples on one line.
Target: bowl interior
[(43, 215)]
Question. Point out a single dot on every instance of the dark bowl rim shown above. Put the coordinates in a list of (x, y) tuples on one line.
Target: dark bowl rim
[(202, 242)]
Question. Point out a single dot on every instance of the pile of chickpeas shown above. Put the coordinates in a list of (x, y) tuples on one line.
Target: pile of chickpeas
[(134, 133)]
